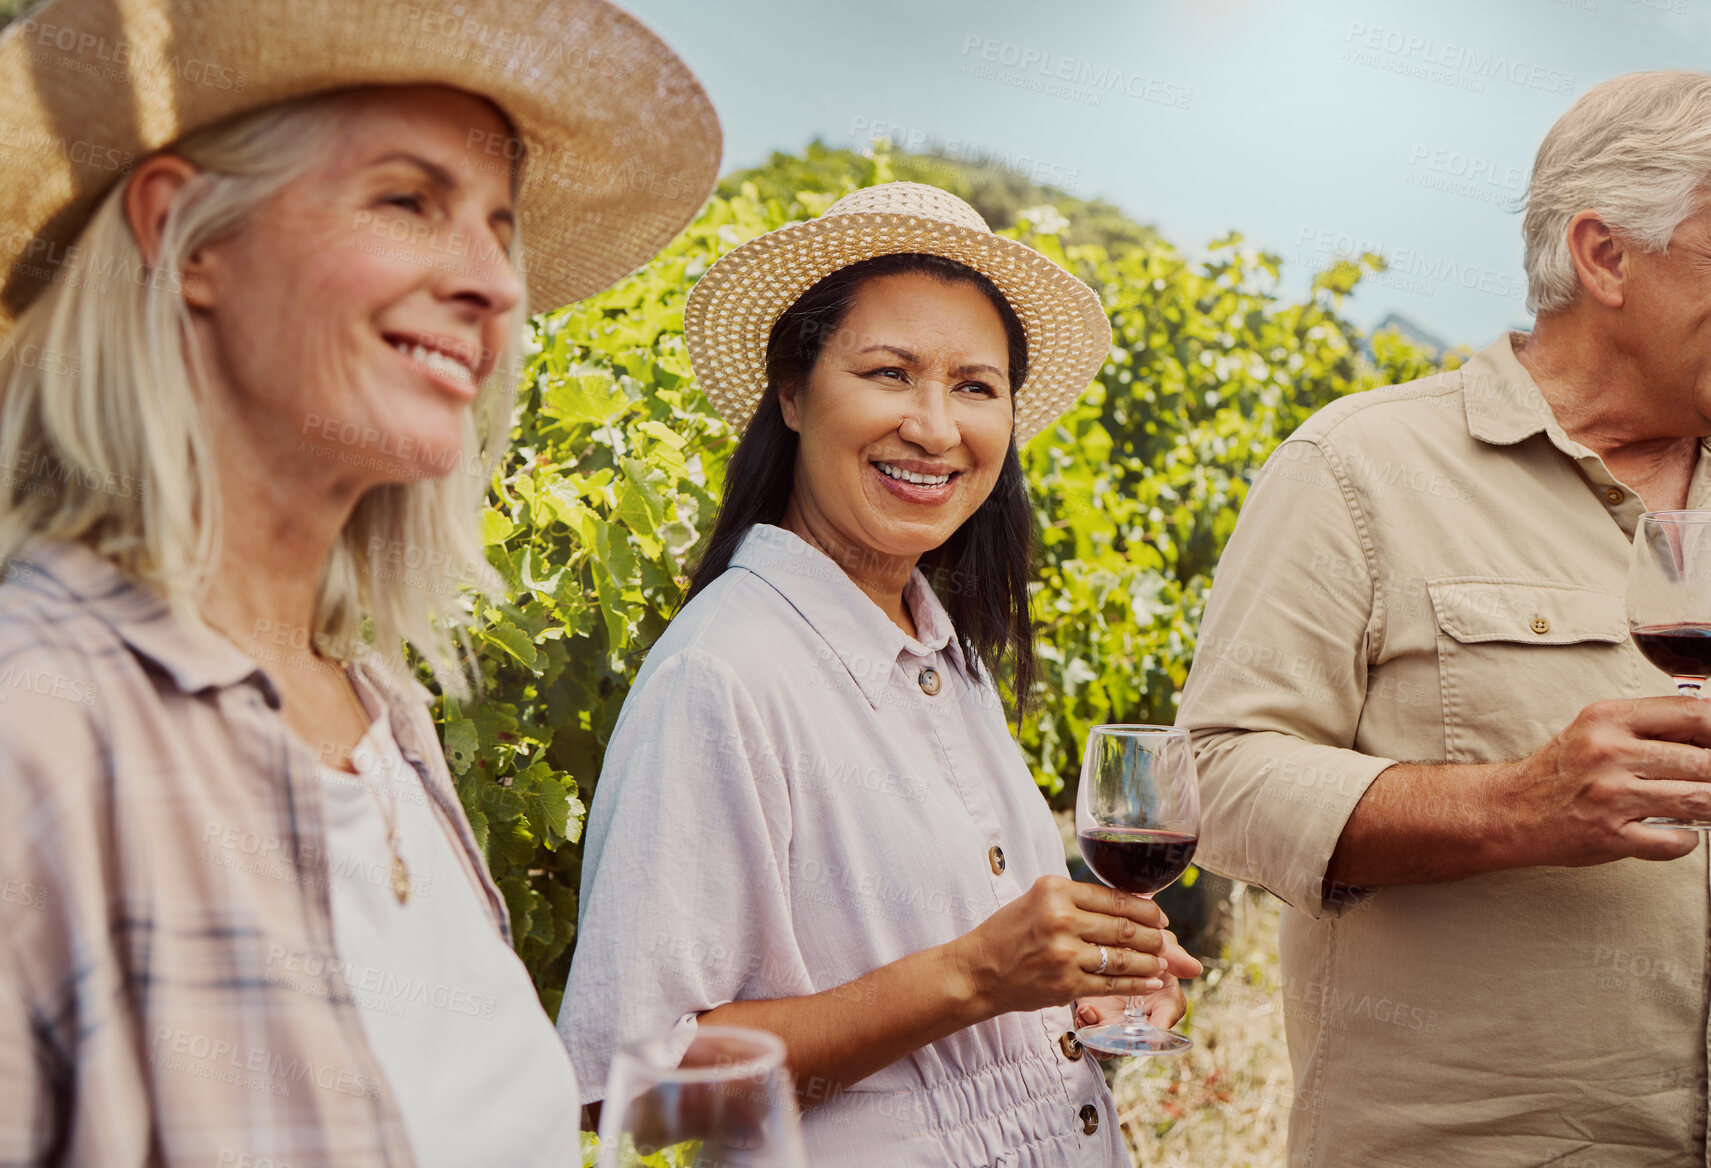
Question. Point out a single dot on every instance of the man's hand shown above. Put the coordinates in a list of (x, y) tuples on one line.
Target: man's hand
[(1579, 798)]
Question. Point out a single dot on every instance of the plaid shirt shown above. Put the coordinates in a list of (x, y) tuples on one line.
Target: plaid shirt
[(162, 865)]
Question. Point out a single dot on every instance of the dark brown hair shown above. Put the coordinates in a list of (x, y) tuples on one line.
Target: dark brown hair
[(982, 572)]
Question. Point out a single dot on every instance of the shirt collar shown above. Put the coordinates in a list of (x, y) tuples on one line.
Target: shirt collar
[(193, 659), (1504, 405), (852, 625)]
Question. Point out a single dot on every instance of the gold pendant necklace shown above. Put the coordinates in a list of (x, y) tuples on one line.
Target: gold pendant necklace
[(388, 810), (400, 872)]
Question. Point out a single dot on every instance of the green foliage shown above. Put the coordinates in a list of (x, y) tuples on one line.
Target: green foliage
[(999, 195), (614, 472), (1137, 487), (618, 460), (682, 1155)]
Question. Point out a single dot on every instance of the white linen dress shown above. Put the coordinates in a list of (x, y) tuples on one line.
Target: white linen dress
[(785, 806)]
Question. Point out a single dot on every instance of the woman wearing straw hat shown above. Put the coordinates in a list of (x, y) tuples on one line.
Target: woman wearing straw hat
[(812, 818), (263, 269)]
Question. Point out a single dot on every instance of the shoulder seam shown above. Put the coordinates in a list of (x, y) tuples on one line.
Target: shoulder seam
[(1378, 622), (692, 647), (1359, 403)]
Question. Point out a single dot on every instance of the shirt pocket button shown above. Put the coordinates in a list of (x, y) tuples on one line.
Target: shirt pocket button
[(995, 857)]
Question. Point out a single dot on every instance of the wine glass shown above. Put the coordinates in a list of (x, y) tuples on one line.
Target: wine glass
[(1137, 815), (728, 1101), (1669, 603)]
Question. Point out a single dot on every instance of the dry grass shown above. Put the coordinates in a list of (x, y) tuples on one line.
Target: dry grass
[(1226, 1101)]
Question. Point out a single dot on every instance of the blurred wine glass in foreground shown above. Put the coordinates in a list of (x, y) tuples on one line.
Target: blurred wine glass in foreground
[(728, 1102), (1137, 815)]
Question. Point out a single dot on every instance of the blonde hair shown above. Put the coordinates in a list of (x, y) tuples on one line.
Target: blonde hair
[(99, 400), (1636, 149)]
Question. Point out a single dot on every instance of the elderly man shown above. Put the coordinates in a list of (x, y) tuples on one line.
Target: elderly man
[(1421, 722)]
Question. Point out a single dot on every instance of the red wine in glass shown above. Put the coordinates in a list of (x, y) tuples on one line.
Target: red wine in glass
[(1681, 650), (1669, 606), (1138, 859), (1137, 815)]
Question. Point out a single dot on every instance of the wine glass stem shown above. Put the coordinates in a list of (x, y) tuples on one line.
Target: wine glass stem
[(1134, 1011)]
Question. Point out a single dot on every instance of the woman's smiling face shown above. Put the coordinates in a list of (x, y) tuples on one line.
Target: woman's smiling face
[(904, 420), (358, 312)]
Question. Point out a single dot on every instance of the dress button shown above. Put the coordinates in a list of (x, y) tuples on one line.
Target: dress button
[(1089, 1119), (995, 857), (1540, 625), (1615, 495), (929, 680), (1071, 1046)]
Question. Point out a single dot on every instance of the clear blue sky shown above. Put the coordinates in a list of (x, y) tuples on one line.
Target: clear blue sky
[(1312, 126)]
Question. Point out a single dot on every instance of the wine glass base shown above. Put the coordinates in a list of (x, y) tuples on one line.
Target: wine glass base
[(1684, 825), (1121, 1039)]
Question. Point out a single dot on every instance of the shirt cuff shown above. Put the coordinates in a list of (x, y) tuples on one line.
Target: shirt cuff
[(674, 1044), (1275, 807), (681, 1034)]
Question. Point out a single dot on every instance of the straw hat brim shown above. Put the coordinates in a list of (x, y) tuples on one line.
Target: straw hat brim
[(622, 143), (732, 309)]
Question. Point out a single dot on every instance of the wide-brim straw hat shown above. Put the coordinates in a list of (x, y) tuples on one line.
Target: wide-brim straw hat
[(621, 143), (733, 307)]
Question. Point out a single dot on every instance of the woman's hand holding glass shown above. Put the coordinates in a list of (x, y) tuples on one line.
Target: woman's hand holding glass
[(1137, 814), (1043, 949), (1163, 1007)]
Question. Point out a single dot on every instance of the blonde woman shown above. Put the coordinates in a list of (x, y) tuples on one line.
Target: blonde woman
[(251, 393)]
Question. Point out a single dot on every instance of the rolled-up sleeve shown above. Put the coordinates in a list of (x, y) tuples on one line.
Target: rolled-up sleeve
[(1279, 681), (685, 887)]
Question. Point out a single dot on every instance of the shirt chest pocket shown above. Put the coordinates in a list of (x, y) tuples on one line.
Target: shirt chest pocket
[(1518, 659)]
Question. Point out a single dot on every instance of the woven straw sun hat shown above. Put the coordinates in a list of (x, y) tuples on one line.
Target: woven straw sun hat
[(733, 307), (620, 143)]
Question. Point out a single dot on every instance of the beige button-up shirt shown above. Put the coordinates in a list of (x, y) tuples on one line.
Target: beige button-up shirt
[(1435, 572)]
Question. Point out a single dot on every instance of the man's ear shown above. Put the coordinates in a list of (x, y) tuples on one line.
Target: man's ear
[(790, 403), (1601, 258), (154, 188)]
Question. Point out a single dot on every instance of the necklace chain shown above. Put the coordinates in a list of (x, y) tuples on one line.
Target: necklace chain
[(400, 872)]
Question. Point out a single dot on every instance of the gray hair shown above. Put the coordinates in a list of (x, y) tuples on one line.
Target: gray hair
[(1636, 149)]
